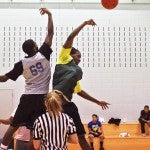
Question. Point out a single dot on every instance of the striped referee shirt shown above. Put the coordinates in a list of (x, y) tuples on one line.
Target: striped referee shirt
[(53, 131)]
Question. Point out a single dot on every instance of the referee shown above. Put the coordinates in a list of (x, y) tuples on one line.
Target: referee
[(53, 129)]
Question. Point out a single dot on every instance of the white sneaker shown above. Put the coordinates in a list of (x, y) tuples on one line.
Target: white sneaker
[(2, 148), (143, 134)]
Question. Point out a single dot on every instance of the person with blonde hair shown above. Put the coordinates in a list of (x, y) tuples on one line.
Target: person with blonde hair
[(54, 129)]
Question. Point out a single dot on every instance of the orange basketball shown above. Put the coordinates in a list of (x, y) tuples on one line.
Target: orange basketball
[(109, 4)]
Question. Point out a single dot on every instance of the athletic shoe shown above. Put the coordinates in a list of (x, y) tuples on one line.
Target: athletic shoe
[(143, 134), (2, 148)]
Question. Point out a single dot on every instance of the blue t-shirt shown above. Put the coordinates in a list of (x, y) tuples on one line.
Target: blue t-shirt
[(94, 126)]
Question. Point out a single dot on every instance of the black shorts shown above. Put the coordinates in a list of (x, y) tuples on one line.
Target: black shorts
[(95, 135), (30, 107), (72, 110)]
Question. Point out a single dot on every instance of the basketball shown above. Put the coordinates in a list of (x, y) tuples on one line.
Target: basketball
[(109, 4)]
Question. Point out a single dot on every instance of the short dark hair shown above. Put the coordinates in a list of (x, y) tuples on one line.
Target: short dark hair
[(28, 46), (73, 51), (146, 106), (94, 115)]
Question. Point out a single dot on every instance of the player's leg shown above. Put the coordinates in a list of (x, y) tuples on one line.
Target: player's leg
[(8, 136), (101, 142), (90, 136), (72, 111)]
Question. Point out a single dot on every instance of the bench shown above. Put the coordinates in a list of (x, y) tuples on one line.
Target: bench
[(113, 142)]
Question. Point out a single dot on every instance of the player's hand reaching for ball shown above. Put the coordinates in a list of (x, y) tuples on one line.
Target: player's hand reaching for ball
[(90, 22), (44, 11)]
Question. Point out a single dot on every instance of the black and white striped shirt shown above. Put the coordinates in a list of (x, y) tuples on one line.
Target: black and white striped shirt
[(53, 131)]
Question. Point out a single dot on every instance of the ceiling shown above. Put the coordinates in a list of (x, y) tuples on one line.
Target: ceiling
[(68, 1), (72, 4)]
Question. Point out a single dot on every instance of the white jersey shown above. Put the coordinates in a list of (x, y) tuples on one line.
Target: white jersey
[(37, 74)]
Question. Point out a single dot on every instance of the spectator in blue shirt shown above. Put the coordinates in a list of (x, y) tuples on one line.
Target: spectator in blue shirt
[(95, 130)]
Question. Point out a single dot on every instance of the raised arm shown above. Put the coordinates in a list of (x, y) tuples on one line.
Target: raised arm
[(69, 41), (49, 36)]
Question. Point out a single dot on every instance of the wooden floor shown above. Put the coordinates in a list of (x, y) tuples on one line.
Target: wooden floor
[(113, 142)]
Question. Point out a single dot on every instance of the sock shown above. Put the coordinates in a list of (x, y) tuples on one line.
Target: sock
[(3, 147), (101, 144), (91, 144)]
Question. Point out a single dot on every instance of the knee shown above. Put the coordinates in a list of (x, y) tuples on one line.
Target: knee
[(102, 138), (90, 137), (141, 121)]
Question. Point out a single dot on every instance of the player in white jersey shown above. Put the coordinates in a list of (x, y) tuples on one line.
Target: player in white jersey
[(35, 68)]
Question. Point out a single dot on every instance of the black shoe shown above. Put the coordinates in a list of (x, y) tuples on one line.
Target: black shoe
[(92, 148), (102, 148)]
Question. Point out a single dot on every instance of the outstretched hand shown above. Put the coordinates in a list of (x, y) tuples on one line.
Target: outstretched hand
[(44, 11), (103, 104), (90, 22)]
